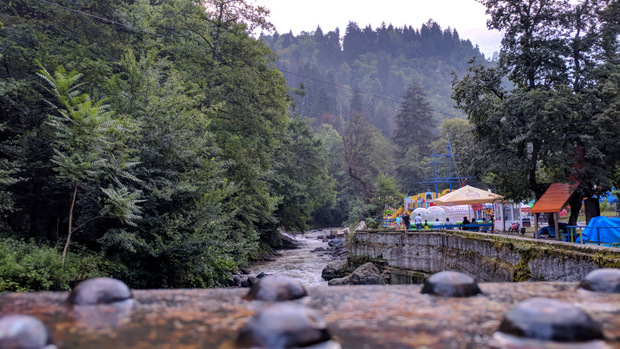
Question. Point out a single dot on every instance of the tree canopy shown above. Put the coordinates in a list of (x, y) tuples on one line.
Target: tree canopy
[(545, 126), (158, 134)]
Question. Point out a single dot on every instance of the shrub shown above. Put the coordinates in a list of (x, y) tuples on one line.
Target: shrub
[(26, 266), (371, 223)]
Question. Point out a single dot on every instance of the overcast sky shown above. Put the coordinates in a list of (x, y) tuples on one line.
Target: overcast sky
[(466, 16)]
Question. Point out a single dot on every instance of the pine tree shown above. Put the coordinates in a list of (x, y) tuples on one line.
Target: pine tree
[(415, 125)]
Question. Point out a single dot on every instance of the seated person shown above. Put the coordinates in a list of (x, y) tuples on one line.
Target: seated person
[(473, 221), (484, 221), (465, 221)]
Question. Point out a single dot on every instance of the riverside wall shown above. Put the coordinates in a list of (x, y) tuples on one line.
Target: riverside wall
[(487, 257)]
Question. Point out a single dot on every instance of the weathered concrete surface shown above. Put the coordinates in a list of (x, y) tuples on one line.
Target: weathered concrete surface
[(374, 317), (486, 257)]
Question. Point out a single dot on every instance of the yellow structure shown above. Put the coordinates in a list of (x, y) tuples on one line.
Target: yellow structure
[(412, 202)]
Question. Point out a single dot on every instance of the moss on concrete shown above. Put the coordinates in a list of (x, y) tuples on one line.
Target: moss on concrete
[(528, 250)]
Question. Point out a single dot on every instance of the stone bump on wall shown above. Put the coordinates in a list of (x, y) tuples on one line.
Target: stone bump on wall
[(487, 257)]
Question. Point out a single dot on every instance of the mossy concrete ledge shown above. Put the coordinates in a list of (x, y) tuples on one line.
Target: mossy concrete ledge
[(487, 257)]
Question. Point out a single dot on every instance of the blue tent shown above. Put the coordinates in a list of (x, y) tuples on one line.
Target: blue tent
[(610, 197), (602, 229)]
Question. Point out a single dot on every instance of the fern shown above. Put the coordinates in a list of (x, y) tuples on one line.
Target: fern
[(89, 148)]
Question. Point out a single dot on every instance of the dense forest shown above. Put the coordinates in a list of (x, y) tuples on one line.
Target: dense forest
[(164, 144), (146, 140), (377, 64)]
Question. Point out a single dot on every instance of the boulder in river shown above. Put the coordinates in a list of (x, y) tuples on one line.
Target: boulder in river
[(288, 242), (367, 274), (337, 242), (335, 269)]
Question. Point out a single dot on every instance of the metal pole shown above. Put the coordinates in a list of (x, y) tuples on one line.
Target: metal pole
[(535, 225), (449, 158), (435, 157), (557, 231)]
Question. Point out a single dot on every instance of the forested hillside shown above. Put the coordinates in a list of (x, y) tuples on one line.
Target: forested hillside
[(380, 63), (149, 141)]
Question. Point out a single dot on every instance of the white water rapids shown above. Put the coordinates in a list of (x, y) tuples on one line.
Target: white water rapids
[(299, 263)]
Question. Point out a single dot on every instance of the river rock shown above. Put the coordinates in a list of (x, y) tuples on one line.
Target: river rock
[(288, 243), (367, 274), (337, 242), (249, 281), (336, 269)]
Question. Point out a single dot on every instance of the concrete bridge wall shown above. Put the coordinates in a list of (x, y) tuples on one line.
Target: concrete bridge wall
[(487, 257)]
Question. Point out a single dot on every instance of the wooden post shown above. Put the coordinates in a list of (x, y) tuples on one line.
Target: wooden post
[(557, 231), (535, 225)]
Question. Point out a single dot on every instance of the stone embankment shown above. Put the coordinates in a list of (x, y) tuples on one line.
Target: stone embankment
[(486, 257)]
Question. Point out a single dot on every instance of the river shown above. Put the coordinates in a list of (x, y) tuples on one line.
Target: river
[(299, 263)]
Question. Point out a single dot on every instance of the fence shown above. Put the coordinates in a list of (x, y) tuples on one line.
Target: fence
[(609, 237)]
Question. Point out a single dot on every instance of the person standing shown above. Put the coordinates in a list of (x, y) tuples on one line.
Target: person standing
[(406, 219), (399, 222), (418, 222)]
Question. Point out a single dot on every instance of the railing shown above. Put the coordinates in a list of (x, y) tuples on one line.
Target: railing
[(482, 227), (575, 233)]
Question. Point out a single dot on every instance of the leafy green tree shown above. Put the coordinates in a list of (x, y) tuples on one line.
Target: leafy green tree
[(190, 207), (300, 177), (335, 213), (544, 129), (367, 154), (387, 195), (90, 147)]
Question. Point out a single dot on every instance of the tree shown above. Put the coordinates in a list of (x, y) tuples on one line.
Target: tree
[(413, 134), (415, 125), (300, 177), (367, 154), (387, 195), (90, 147), (543, 130)]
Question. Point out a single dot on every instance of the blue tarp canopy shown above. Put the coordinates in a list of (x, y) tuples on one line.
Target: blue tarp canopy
[(610, 198), (602, 229)]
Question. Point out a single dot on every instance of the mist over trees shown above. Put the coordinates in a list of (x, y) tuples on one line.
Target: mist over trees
[(381, 63)]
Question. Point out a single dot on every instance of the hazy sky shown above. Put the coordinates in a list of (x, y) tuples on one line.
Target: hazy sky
[(466, 16)]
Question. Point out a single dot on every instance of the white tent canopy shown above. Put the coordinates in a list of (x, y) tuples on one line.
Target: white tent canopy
[(468, 195)]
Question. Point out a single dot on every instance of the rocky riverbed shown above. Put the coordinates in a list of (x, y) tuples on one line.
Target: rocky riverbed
[(304, 258)]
